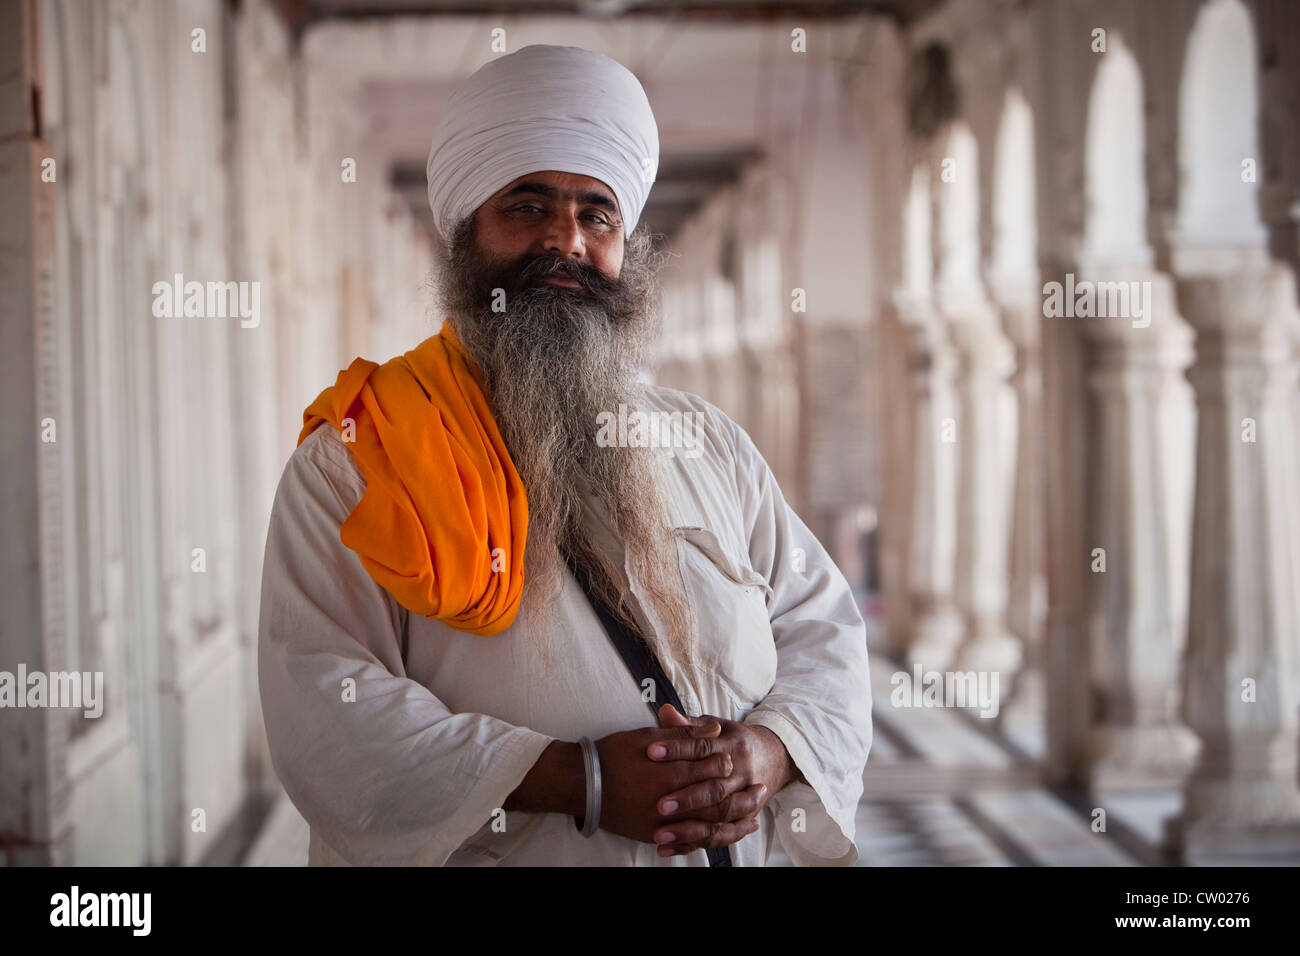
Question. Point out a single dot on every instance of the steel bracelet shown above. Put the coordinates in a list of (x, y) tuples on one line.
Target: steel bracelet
[(591, 762)]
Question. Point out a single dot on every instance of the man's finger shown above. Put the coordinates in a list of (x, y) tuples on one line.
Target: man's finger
[(719, 765), (695, 746), (685, 836), (657, 750), (721, 799), (670, 716)]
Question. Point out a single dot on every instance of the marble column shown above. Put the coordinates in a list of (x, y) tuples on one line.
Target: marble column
[(1020, 306), (769, 406), (983, 500), (897, 428), (1239, 686), (936, 623), (37, 827), (1133, 364)]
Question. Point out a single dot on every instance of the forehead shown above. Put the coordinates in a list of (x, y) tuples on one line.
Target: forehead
[(579, 188)]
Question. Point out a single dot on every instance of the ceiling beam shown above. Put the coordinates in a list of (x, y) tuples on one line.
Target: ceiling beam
[(298, 14)]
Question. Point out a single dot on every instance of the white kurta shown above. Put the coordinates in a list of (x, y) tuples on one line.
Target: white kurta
[(445, 725)]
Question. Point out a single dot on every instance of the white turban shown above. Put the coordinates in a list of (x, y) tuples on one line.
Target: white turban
[(543, 107)]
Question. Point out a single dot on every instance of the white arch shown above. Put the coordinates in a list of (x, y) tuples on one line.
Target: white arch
[(1115, 188), (1218, 123), (1015, 230), (959, 212), (918, 256)]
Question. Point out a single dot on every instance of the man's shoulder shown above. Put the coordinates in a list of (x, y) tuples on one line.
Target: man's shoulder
[(325, 451), (669, 399), (720, 437)]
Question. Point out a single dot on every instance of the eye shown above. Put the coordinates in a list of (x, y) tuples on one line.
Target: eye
[(532, 208)]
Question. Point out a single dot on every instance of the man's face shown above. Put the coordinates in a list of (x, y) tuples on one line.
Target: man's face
[(568, 227)]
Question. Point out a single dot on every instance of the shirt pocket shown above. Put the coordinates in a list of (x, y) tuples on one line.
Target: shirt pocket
[(728, 599)]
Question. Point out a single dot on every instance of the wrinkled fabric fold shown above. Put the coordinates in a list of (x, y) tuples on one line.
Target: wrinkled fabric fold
[(443, 521)]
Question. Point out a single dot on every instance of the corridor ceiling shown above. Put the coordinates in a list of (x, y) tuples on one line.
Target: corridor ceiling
[(385, 44), (300, 13)]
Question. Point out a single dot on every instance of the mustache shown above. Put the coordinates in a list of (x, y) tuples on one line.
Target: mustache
[(529, 269)]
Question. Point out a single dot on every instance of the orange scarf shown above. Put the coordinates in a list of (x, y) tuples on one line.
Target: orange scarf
[(441, 491)]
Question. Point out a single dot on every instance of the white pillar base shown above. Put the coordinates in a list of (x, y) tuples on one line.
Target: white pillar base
[(936, 639), (1134, 756)]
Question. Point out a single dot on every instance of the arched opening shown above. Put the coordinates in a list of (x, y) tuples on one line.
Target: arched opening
[(1015, 230), (959, 213), (1115, 188), (1218, 123), (918, 255)]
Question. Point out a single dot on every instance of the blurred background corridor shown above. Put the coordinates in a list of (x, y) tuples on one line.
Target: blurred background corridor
[(1004, 291)]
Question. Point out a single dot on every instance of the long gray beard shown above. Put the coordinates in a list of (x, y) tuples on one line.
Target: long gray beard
[(554, 359)]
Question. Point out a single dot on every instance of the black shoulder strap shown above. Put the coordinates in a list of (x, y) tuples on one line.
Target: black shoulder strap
[(641, 661)]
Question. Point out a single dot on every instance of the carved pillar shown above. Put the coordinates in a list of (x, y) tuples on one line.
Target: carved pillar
[(1134, 362), (896, 426), (36, 824), (1021, 310), (1239, 688), (937, 627), (984, 496)]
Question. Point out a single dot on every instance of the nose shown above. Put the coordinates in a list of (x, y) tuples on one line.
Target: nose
[(562, 236)]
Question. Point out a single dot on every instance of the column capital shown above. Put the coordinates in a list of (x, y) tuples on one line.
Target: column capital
[(1257, 304), (1019, 301)]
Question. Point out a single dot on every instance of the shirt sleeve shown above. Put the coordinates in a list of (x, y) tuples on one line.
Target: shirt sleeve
[(820, 704), (374, 762)]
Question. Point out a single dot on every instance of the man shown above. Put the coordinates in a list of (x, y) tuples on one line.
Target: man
[(428, 659)]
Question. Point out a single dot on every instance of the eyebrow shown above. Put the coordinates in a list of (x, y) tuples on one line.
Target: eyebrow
[(588, 198)]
